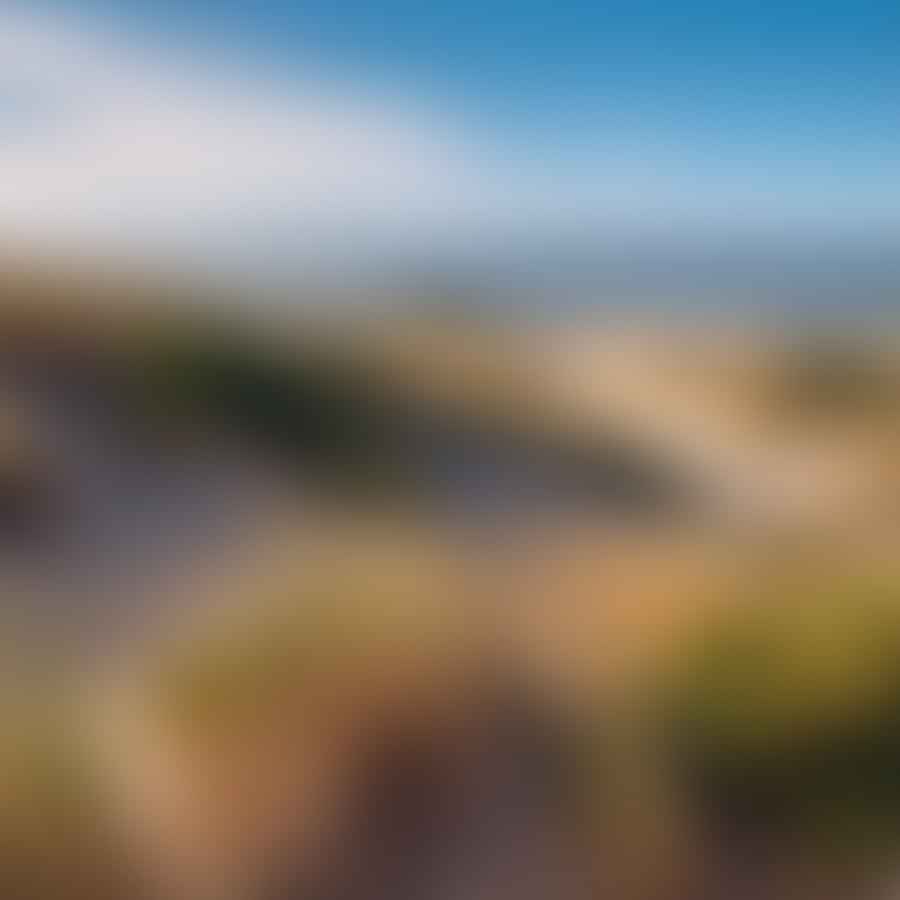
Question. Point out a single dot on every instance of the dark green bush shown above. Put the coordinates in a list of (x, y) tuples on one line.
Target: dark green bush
[(785, 716), (309, 408)]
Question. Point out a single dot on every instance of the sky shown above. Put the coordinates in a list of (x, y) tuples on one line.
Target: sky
[(284, 131)]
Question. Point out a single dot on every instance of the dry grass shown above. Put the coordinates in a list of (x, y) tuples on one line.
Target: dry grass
[(246, 731)]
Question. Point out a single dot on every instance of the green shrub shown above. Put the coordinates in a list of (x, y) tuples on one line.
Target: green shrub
[(308, 407), (786, 714)]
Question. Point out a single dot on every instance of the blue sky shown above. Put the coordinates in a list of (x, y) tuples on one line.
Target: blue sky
[(439, 122), (760, 77)]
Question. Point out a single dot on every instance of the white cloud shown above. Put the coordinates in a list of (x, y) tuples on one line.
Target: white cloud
[(104, 138), (107, 140)]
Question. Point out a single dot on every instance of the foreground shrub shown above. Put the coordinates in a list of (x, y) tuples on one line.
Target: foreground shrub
[(785, 716)]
